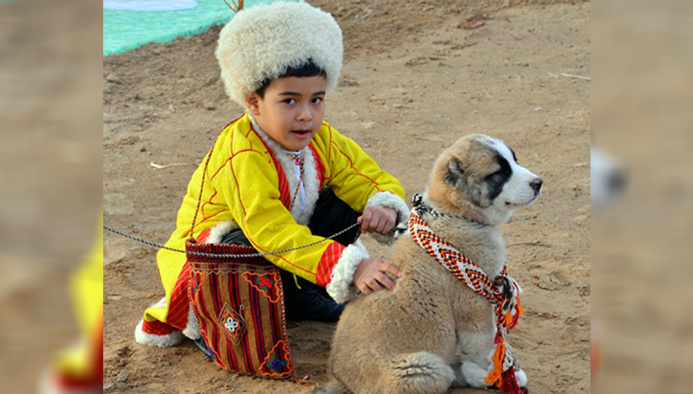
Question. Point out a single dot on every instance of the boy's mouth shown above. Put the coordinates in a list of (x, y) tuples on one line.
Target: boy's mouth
[(301, 133)]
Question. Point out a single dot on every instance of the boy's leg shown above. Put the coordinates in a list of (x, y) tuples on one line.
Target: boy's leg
[(303, 299), (332, 215), (170, 320)]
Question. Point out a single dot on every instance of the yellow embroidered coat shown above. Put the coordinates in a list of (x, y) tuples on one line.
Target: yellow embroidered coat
[(249, 183)]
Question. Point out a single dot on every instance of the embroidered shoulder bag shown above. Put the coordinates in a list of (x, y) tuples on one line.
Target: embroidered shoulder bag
[(238, 300)]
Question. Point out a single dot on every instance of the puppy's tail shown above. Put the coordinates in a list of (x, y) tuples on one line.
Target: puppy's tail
[(420, 372)]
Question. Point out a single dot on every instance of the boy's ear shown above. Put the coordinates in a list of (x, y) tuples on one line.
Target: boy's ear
[(252, 103)]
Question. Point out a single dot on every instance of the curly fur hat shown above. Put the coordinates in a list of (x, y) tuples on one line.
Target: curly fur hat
[(263, 41)]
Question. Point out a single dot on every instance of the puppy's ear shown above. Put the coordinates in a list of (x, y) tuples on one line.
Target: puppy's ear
[(455, 173)]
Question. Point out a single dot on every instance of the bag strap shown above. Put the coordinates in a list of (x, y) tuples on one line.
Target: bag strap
[(202, 182)]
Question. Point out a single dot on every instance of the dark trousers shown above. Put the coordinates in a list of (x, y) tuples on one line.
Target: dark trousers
[(304, 300)]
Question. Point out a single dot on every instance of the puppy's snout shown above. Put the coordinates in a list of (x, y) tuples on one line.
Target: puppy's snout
[(536, 184)]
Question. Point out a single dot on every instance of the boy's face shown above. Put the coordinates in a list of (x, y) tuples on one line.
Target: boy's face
[(291, 111)]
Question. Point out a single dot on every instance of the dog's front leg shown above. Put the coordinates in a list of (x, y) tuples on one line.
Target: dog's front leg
[(476, 361), (475, 344)]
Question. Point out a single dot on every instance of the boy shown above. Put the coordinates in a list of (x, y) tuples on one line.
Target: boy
[(279, 175)]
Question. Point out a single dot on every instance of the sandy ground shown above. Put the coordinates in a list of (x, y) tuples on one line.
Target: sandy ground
[(414, 80)]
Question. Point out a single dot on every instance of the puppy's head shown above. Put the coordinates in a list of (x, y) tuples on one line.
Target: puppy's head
[(478, 177)]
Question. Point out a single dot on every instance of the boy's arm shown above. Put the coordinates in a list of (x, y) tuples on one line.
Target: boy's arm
[(358, 180), (372, 275)]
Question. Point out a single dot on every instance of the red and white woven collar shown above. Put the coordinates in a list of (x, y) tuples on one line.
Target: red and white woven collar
[(503, 292)]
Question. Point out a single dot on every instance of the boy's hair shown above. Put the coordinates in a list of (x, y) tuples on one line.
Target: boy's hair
[(307, 69), (265, 42)]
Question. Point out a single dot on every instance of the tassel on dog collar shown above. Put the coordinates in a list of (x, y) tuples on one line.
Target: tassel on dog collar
[(502, 292)]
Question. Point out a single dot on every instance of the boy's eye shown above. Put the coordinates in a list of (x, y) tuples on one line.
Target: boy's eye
[(289, 101), (317, 100)]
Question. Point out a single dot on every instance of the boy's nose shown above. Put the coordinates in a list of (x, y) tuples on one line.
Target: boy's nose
[(304, 114)]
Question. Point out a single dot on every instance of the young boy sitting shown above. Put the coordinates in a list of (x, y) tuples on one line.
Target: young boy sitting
[(280, 177)]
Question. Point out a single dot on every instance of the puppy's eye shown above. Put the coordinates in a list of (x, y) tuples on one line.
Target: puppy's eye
[(494, 174)]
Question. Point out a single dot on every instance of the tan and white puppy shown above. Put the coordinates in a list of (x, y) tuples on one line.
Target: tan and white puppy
[(433, 331)]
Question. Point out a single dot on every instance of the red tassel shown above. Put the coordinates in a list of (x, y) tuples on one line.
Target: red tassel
[(509, 382), (498, 339), (505, 381)]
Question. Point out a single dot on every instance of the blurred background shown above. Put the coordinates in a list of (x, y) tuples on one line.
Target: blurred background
[(50, 177), (642, 96)]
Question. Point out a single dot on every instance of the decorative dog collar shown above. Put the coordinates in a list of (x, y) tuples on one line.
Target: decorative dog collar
[(419, 204), (503, 292)]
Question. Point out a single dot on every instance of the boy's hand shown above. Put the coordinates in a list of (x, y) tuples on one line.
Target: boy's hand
[(370, 275), (377, 220)]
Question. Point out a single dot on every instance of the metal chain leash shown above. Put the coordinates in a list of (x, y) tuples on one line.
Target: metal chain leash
[(160, 246)]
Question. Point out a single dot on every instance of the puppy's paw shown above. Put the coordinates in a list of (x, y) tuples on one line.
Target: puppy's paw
[(521, 377), (471, 375)]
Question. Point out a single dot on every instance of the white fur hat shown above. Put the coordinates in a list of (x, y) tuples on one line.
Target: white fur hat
[(263, 41)]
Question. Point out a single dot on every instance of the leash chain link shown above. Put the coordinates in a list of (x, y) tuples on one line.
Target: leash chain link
[(160, 246)]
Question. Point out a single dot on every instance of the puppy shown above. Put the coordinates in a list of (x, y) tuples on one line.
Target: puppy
[(433, 331)]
